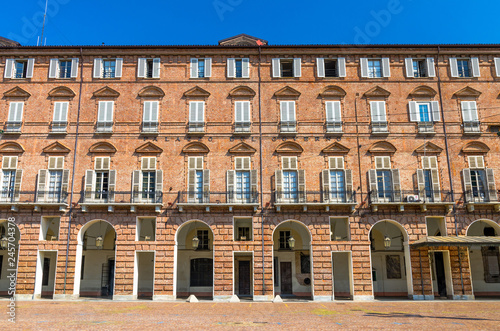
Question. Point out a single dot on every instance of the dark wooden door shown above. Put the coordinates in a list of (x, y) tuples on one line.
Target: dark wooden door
[(440, 274), (286, 277), (244, 277)]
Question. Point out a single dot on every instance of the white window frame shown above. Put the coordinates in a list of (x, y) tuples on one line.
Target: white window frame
[(245, 67), (341, 67), (105, 116)]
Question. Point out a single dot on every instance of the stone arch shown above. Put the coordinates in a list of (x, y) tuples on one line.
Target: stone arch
[(11, 147), (242, 92), (382, 147), (289, 147), (491, 223), (475, 147), (422, 92), (151, 92), (102, 147)]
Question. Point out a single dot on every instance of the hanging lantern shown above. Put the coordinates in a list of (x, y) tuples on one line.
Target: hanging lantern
[(291, 242), (98, 242), (4, 242), (196, 242), (387, 242)]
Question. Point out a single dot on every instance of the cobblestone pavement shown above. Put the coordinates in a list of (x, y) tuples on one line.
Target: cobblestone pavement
[(146, 315)]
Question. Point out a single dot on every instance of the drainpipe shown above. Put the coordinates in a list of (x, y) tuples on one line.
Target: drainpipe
[(261, 178), (358, 148), (73, 173), (454, 212)]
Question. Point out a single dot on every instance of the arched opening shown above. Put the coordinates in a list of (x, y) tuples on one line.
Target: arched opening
[(194, 272), (9, 253), (292, 263), (95, 260), (485, 260), (390, 257)]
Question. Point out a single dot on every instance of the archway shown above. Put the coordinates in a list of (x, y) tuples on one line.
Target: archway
[(484, 260), (390, 257), (194, 265), (292, 265), (9, 253), (95, 260)]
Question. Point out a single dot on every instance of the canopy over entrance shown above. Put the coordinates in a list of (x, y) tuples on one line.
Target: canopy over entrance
[(456, 241)]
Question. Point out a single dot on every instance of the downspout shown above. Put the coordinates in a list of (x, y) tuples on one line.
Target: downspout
[(73, 170), (358, 148), (261, 180), (454, 212)]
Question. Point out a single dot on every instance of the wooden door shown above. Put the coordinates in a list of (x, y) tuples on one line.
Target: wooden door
[(286, 277), (244, 277)]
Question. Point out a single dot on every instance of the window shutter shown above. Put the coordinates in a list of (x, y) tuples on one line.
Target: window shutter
[(238, 116), (325, 176), (364, 67), (98, 163), (118, 67), (276, 68), (285, 163), (466, 113), (64, 186), (297, 67), (413, 111), (291, 110), (396, 185), (112, 185), (409, 67), (60, 111), (155, 105), (302, 185), (453, 67), (386, 67), (238, 163), (472, 162), (497, 66), (206, 185), (74, 67), (333, 111), (330, 116), (341, 67), (156, 67), (245, 67), (53, 68), (97, 68), (109, 111), (246, 111), (284, 110), (199, 162), (17, 184), (16, 111), (467, 184), (56, 162), (136, 185), (436, 115), (231, 178), (278, 179), (436, 188), (382, 162), (41, 185), (431, 68), (378, 111), (490, 184), (9, 162), (200, 111), (349, 188), (208, 67), (372, 179), (192, 184), (253, 185), (231, 68), (192, 111), (421, 183), (194, 68), (89, 183), (320, 66), (293, 162), (9, 68), (29, 69), (476, 72), (158, 185), (141, 67), (147, 111), (336, 162)]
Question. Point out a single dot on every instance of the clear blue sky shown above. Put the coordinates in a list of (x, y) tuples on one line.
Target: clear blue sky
[(166, 22)]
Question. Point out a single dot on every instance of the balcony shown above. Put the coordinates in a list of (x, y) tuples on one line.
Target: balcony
[(121, 199), (196, 127), (207, 200), (481, 198), (416, 198), (149, 127), (13, 127), (316, 199), (104, 127), (242, 127), (289, 127), (425, 127), (14, 199), (58, 127), (380, 127), (472, 127), (334, 127)]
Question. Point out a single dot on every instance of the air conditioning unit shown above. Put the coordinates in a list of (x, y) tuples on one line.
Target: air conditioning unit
[(412, 198)]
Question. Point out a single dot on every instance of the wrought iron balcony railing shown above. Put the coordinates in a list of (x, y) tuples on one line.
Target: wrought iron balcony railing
[(241, 127), (472, 127), (333, 127), (410, 196), (150, 127), (116, 197), (425, 127), (196, 127), (13, 127), (312, 197), (380, 127), (104, 126), (288, 126), (208, 197), (59, 126)]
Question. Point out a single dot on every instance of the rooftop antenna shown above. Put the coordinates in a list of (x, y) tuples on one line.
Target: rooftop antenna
[(43, 26)]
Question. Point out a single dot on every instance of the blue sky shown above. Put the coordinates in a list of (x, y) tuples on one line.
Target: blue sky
[(194, 22)]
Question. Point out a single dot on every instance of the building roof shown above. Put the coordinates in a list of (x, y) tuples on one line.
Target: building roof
[(8, 42), (457, 241)]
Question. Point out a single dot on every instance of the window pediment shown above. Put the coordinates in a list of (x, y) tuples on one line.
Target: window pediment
[(106, 92), (102, 147), (377, 92), (467, 92), (16, 92), (151, 92), (56, 148), (423, 92), (333, 92), (427, 148), (61, 92), (148, 148), (242, 148), (196, 92), (242, 40), (242, 92), (475, 147), (382, 147), (287, 93), (336, 148), (11, 147), (195, 147), (289, 147)]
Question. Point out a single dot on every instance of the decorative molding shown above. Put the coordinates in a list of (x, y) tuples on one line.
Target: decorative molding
[(151, 92), (148, 147), (427, 148), (382, 147), (333, 92), (475, 147), (61, 92), (335, 148), (195, 147), (467, 92), (287, 92), (242, 148), (423, 92), (16, 92), (56, 148), (242, 92), (11, 147), (106, 92), (102, 147), (377, 92), (242, 40), (196, 92), (289, 147)]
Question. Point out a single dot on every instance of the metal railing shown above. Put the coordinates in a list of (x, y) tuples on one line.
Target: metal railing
[(59, 126), (45, 197), (137, 197), (481, 196), (288, 126), (240, 127), (303, 197), (425, 127), (11, 126), (472, 127), (104, 126), (410, 196), (333, 126), (380, 127), (149, 127), (196, 127), (207, 197)]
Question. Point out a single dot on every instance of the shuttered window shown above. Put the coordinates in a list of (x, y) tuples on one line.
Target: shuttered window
[(378, 111), (148, 68), (287, 67), (238, 68), (15, 112), (11, 179), (424, 111), (469, 111), (150, 111), (242, 111), (60, 119), (287, 111)]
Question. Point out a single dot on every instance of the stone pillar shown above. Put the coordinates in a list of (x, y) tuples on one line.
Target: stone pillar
[(322, 262), (421, 274), (263, 286), (462, 281)]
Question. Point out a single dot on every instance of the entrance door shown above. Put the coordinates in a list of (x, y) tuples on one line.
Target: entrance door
[(440, 274), (244, 277), (286, 277)]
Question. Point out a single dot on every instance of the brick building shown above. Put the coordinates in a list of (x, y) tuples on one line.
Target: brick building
[(314, 171)]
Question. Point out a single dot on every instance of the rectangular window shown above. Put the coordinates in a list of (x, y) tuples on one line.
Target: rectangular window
[(243, 233), (20, 68), (8, 182), (60, 120), (105, 116), (15, 117), (290, 188), (238, 64), (55, 185), (337, 186), (199, 186), (331, 68), (374, 68), (339, 228), (203, 243), (284, 236), (196, 116), (288, 122), (243, 228), (101, 185), (109, 68), (424, 112), (333, 116), (201, 273), (286, 68), (478, 179), (150, 116), (146, 229), (384, 185), (45, 273), (420, 68), (463, 68), (64, 69), (148, 184), (378, 117), (201, 68), (243, 186), (242, 116), (470, 117)]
